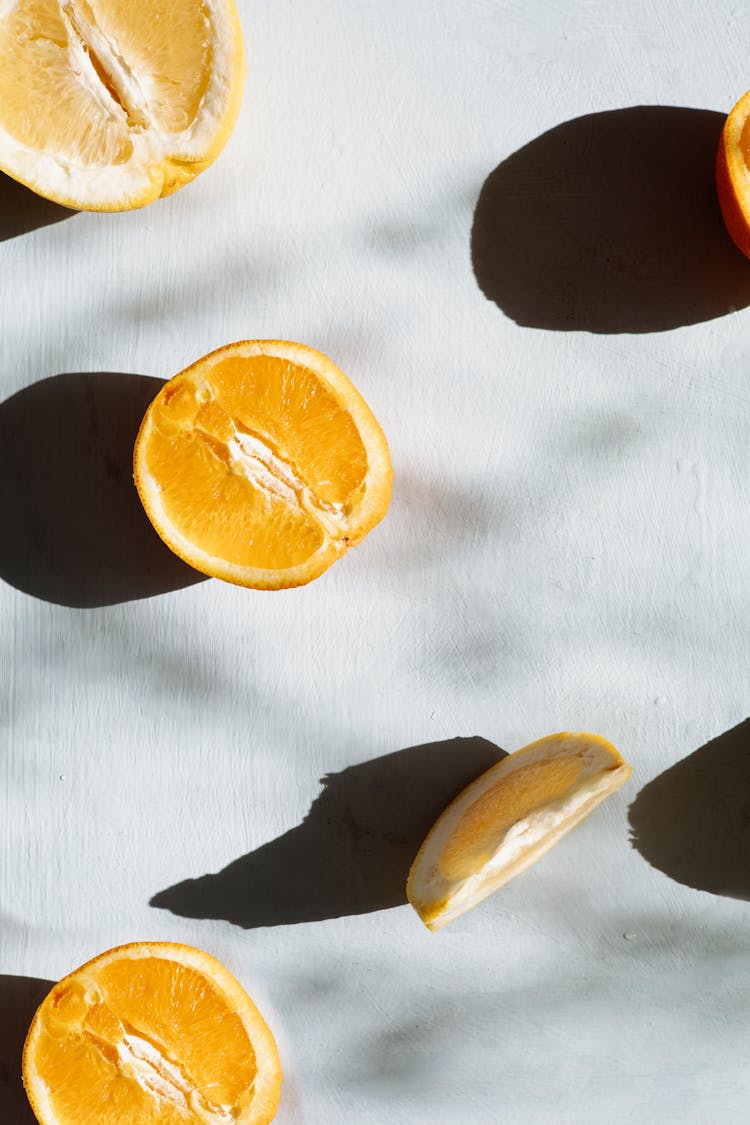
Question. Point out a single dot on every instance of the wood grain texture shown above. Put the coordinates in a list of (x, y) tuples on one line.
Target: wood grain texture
[(567, 547)]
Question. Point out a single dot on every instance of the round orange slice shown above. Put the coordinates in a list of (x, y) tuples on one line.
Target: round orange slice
[(106, 105), (151, 1032), (507, 819), (733, 174), (261, 464)]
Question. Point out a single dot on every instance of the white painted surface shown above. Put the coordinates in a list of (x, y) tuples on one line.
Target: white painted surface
[(567, 548)]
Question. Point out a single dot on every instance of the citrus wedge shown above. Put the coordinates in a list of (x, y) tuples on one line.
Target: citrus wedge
[(733, 174), (106, 105), (151, 1032), (507, 819), (261, 464)]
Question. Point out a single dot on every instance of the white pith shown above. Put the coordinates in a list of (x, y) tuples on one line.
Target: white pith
[(86, 42)]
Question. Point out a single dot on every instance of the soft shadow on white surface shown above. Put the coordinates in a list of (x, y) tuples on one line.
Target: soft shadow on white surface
[(74, 530), (693, 821), (353, 850), (536, 1040), (19, 999), (610, 223), (22, 210)]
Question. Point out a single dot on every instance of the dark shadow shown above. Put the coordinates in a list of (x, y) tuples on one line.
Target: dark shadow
[(22, 210), (693, 821), (73, 529), (19, 999), (610, 223), (353, 850)]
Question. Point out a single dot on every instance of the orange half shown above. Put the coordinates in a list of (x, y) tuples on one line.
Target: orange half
[(151, 1032), (261, 464), (507, 819), (733, 174)]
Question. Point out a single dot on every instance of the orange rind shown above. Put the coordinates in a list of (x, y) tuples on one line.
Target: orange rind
[(733, 174)]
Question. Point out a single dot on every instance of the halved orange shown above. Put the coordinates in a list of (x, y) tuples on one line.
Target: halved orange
[(261, 464), (507, 819), (733, 173), (106, 105), (151, 1032)]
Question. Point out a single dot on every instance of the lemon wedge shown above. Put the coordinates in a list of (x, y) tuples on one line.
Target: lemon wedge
[(507, 819)]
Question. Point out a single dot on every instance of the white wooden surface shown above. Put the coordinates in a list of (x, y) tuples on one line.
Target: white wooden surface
[(567, 548)]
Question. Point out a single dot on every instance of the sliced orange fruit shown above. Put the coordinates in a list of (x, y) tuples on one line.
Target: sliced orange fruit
[(151, 1032), (261, 464), (507, 819), (106, 105), (733, 174)]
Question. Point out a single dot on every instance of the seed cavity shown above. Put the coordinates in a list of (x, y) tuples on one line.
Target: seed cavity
[(250, 455), (109, 72), (137, 1057)]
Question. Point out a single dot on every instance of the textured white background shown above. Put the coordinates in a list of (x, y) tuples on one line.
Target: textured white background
[(567, 547)]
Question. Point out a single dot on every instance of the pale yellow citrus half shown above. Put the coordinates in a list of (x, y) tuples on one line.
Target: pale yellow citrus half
[(151, 1032), (106, 105), (507, 819), (261, 464)]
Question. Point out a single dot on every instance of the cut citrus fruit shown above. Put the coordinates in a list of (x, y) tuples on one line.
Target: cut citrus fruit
[(106, 105), (261, 464), (507, 819), (151, 1032), (733, 174)]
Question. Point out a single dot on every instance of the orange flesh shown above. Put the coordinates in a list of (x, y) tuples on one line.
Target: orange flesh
[(483, 825), (745, 142), (254, 459), (200, 1060), (61, 64)]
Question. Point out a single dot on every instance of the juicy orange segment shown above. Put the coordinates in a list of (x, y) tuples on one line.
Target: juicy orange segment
[(262, 464), (507, 819), (109, 104), (733, 174), (153, 1032)]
